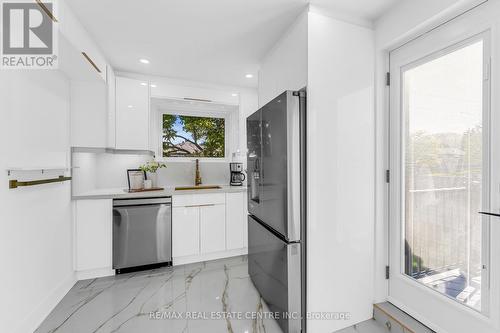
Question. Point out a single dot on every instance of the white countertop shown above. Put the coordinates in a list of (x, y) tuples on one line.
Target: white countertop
[(120, 193)]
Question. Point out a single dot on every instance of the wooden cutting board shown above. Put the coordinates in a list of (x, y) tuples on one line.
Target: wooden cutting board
[(145, 190)]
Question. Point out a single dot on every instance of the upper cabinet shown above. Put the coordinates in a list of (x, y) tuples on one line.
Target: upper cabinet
[(132, 114), (88, 106), (111, 120), (71, 29)]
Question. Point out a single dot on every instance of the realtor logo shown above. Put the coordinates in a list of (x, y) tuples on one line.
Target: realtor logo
[(28, 35)]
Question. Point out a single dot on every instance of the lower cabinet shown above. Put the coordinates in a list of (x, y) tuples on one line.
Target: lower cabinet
[(236, 220), (208, 226), (198, 230), (93, 237), (212, 228), (185, 231)]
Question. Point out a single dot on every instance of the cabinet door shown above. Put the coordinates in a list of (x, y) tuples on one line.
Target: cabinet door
[(212, 228), (71, 28), (111, 121), (88, 108), (132, 114), (236, 220), (94, 219), (185, 231)]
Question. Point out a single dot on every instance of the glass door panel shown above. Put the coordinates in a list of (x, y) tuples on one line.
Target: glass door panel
[(442, 164)]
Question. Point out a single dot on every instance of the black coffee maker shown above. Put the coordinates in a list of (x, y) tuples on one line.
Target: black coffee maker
[(237, 175)]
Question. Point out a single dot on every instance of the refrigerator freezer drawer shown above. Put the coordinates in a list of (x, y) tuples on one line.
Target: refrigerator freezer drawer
[(274, 267)]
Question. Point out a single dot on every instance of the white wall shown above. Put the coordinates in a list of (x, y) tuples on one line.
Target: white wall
[(36, 233), (285, 65), (340, 171), (410, 18)]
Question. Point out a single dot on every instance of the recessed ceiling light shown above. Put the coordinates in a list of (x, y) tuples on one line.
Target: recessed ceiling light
[(153, 86), (144, 84), (130, 106), (144, 61), (249, 76), (234, 95)]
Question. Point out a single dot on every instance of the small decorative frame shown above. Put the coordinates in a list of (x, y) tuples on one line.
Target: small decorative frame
[(135, 173)]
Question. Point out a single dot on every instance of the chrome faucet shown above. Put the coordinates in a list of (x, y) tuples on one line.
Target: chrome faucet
[(197, 176)]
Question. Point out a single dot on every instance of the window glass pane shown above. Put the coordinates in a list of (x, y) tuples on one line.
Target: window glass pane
[(442, 103), (189, 136)]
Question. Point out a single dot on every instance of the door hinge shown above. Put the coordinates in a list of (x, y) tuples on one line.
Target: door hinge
[(300, 93), (387, 272), (487, 70), (387, 176), (388, 79)]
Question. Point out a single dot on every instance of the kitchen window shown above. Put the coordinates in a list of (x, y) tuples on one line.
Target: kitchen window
[(193, 136)]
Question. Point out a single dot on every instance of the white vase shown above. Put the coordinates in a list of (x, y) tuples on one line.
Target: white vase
[(153, 176)]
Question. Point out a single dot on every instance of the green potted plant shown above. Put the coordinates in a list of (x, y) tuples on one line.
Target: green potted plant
[(150, 169)]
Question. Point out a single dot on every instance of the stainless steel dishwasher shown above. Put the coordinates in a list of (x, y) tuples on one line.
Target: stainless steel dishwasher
[(142, 233)]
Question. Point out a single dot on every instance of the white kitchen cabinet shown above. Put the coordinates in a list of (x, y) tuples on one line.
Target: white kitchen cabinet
[(71, 28), (185, 231), (208, 226), (88, 114), (93, 234), (111, 119), (212, 228), (132, 114), (236, 220)]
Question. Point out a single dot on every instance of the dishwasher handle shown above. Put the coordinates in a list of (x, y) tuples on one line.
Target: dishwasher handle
[(142, 202)]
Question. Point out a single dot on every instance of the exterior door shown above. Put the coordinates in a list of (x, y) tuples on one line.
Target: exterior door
[(440, 177)]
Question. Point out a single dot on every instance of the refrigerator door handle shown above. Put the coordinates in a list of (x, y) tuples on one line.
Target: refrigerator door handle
[(293, 167)]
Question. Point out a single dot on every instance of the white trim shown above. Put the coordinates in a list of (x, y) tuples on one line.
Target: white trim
[(94, 273), (417, 315), (43, 309)]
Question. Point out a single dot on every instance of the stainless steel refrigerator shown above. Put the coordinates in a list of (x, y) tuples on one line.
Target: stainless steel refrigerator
[(276, 206)]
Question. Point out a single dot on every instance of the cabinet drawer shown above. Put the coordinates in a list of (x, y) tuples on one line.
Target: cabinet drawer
[(184, 200)]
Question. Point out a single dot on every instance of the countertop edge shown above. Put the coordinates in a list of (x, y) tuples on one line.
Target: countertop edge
[(168, 192)]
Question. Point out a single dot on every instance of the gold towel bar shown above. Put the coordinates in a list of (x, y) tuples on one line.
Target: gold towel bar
[(15, 184)]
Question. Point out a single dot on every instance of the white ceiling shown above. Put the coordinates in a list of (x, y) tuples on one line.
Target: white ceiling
[(215, 41)]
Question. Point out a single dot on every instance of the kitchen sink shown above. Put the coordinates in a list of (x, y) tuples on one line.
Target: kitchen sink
[(200, 187)]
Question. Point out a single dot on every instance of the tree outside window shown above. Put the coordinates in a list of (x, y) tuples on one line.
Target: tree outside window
[(190, 136)]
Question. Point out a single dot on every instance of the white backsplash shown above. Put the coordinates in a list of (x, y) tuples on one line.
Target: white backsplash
[(182, 173), (104, 170)]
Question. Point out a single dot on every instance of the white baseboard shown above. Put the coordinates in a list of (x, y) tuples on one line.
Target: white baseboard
[(208, 256), (94, 273), (37, 316)]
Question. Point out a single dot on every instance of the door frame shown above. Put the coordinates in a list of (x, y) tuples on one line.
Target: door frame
[(479, 22)]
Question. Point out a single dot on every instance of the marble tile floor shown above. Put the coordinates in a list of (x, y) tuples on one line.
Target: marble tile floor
[(183, 299)]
